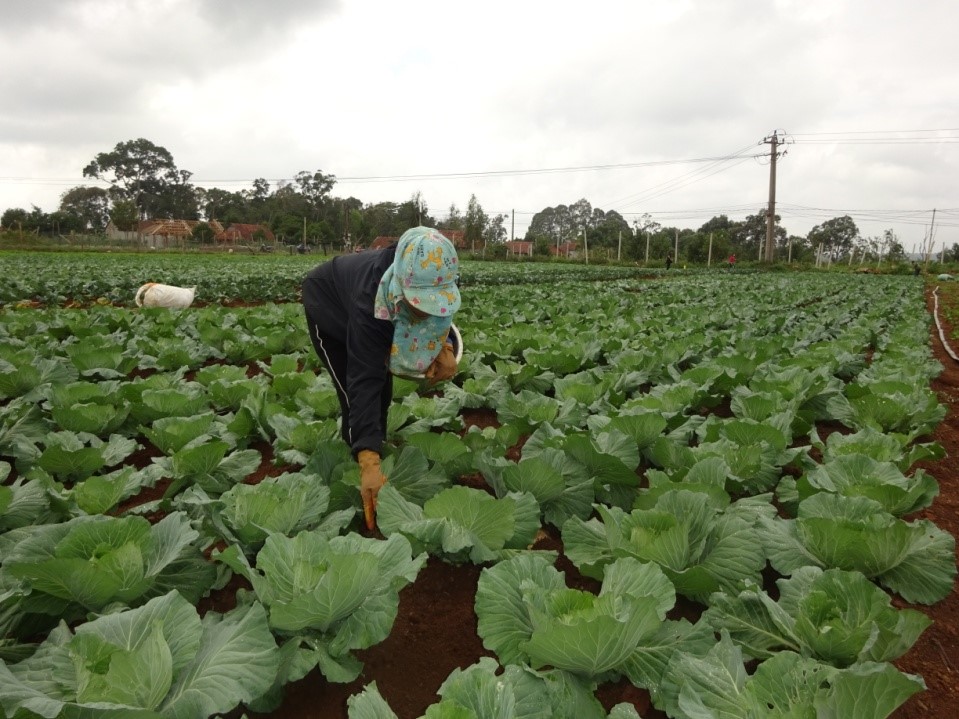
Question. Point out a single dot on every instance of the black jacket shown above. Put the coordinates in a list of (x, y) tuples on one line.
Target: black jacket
[(338, 296)]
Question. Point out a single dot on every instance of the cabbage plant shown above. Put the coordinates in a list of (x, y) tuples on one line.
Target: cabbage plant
[(461, 524), (160, 661), (327, 597), (527, 615), (287, 504), (889, 406), (914, 559), (835, 616), (95, 563), (701, 541), (889, 447), (73, 456), (787, 685), (856, 475), (518, 692)]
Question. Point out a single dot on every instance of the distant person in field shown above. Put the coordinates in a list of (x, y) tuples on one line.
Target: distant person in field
[(375, 314), (732, 261), (669, 261)]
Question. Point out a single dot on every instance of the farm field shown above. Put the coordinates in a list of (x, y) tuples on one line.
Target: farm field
[(644, 495)]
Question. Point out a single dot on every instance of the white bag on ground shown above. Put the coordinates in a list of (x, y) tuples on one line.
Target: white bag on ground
[(153, 294)]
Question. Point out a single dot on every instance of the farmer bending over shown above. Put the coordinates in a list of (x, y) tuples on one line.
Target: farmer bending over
[(374, 314)]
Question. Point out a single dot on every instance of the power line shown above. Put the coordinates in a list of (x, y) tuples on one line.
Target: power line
[(535, 171), (885, 141), (872, 132), (880, 137), (424, 176), (663, 188), (900, 217)]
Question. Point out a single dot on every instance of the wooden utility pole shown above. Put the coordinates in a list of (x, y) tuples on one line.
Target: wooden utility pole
[(773, 143), (512, 226), (932, 232)]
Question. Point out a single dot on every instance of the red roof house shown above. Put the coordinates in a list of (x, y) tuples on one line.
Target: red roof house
[(243, 233)]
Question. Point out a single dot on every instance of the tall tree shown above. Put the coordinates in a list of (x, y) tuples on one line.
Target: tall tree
[(837, 236), (203, 233), (174, 200), (495, 231), (454, 218), (36, 220), (608, 229), (124, 215), (894, 249), (15, 218), (581, 215), (260, 190), (561, 223), (474, 223), (381, 220), (315, 187), (414, 213), (719, 223), (223, 205), (748, 236), (90, 205), (136, 170)]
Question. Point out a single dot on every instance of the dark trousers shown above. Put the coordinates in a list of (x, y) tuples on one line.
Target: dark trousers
[(332, 353)]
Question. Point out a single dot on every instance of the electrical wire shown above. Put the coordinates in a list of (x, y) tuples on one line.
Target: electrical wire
[(676, 183), (879, 137), (907, 217), (680, 185)]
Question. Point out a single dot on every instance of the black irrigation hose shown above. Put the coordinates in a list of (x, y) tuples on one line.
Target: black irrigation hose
[(942, 334)]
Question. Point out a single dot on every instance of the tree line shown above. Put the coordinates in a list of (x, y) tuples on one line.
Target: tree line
[(145, 183)]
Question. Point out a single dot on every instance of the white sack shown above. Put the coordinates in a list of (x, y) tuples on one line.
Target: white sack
[(153, 294)]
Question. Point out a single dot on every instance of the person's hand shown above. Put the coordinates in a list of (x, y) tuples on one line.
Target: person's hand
[(372, 480), (443, 367)]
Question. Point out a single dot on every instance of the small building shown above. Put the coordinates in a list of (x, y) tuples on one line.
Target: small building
[(457, 237), (566, 249), (240, 233), (519, 247), (174, 233), (159, 233)]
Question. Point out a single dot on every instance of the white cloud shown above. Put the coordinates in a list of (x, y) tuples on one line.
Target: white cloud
[(364, 88)]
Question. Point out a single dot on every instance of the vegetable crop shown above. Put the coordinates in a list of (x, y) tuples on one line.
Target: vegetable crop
[(748, 447)]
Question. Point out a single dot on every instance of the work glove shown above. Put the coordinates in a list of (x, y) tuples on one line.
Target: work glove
[(372, 480), (443, 367)]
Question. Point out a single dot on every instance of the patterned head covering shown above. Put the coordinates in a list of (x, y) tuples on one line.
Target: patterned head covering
[(422, 276)]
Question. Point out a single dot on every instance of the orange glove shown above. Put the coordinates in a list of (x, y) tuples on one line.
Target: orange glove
[(372, 480), (443, 367)]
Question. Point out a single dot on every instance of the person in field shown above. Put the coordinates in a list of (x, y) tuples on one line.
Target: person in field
[(375, 314)]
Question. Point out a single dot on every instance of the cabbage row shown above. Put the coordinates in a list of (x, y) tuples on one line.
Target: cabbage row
[(84, 278), (687, 439)]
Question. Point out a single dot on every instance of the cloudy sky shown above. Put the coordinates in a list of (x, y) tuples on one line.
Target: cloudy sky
[(637, 106)]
